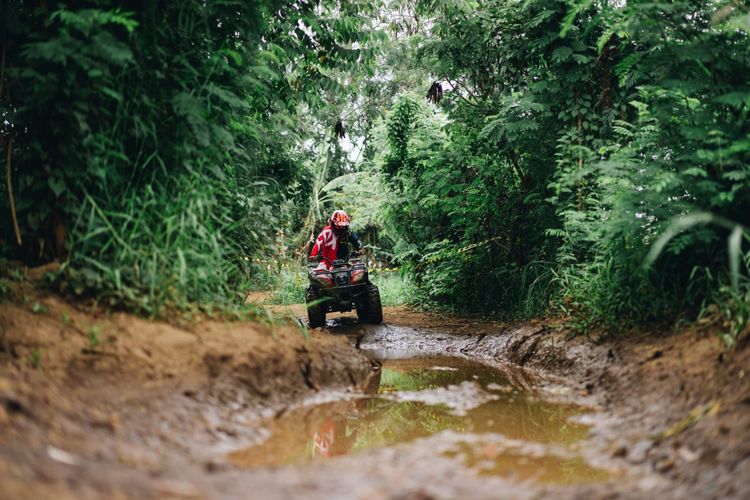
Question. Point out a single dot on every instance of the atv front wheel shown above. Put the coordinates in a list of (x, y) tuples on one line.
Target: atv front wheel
[(316, 315), (374, 308)]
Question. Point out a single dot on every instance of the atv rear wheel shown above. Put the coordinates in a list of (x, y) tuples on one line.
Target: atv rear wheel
[(374, 311), (316, 315)]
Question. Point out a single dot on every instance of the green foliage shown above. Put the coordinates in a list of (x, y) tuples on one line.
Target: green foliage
[(665, 174), (735, 308), (400, 128), (154, 146), (446, 207), (583, 139), (585, 157)]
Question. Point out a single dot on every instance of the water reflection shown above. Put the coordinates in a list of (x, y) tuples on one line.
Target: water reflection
[(526, 465), (387, 416)]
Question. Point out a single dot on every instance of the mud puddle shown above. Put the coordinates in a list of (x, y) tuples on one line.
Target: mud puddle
[(466, 411)]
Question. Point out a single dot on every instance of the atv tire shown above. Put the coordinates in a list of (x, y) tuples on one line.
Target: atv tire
[(361, 312), (374, 311), (316, 315)]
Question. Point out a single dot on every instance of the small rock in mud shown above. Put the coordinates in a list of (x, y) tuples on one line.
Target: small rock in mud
[(62, 456)]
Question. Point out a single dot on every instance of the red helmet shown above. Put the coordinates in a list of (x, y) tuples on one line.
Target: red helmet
[(339, 220)]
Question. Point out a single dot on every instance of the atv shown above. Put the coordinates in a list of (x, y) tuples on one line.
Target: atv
[(344, 286)]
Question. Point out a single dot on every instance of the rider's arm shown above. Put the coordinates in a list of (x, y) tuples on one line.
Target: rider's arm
[(317, 246), (354, 239)]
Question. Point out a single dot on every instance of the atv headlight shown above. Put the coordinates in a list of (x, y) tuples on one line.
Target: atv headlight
[(358, 275)]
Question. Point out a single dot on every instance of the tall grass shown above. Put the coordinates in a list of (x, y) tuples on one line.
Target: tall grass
[(288, 284), (166, 244), (395, 287)]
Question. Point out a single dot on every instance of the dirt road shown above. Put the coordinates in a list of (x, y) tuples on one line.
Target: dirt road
[(96, 404)]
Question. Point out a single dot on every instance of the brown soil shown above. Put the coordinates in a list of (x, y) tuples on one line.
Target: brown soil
[(79, 390), (97, 404)]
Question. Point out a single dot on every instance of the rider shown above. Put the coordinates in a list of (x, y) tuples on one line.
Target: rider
[(334, 240)]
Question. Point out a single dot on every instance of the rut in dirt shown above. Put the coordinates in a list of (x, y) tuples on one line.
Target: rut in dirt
[(471, 413)]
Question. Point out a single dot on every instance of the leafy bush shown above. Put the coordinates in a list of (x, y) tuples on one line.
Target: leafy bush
[(578, 133), (153, 147)]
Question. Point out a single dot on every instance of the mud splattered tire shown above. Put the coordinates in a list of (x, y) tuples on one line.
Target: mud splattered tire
[(374, 308), (316, 316)]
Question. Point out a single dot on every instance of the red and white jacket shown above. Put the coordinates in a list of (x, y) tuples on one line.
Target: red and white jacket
[(327, 244)]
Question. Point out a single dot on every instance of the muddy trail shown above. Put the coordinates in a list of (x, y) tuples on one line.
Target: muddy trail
[(96, 404)]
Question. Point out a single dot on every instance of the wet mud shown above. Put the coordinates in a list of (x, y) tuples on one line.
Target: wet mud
[(424, 406), (415, 398)]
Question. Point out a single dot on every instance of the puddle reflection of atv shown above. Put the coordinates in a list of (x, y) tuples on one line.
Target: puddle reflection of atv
[(343, 287)]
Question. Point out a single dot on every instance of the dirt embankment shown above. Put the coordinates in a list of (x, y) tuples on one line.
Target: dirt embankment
[(679, 403), (98, 404)]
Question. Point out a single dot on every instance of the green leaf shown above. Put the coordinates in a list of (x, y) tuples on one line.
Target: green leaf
[(677, 226), (561, 54), (734, 247), (573, 12), (57, 185)]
